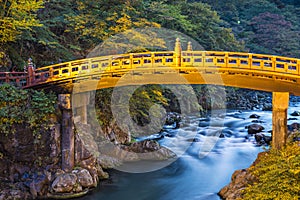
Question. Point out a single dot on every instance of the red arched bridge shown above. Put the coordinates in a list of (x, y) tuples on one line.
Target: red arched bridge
[(277, 74), (246, 70)]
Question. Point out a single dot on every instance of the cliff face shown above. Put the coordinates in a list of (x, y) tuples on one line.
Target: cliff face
[(23, 151), (30, 165), (27, 161)]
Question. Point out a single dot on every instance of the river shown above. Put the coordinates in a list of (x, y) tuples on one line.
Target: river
[(192, 176)]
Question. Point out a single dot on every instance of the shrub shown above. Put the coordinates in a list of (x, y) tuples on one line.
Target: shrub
[(278, 175), (30, 108)]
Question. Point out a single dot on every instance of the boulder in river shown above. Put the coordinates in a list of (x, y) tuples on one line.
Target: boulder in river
[(295, 113), (294, 126), (239, 181), (84, 178), (262, 139), (254, 128), (173, 118), (64, 183), (254, 116), (147, 150)]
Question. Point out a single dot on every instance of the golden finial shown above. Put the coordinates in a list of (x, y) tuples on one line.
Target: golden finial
[(189, 47), (178, 46)]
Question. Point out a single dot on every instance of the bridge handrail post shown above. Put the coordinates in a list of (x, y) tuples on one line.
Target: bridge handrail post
[(226, 59), (30, 70), (7, 77), (250, 60), (177, 50), (30, 75), (273, 63), (18, 81), (131, 61), (50, 72), (203, 59), (298, 66), (152, 59), (189, 46)]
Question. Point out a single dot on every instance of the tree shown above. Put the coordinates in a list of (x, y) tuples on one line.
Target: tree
[(96, 21), (28, 108), (273, 34), (194, 19), (16, 16)]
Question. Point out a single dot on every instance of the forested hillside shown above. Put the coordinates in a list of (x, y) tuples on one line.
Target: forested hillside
[(51, 31), (266, 26)]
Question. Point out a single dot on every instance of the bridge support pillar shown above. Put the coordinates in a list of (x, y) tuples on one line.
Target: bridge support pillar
[(67, 135), (279, 119), (80, 103)]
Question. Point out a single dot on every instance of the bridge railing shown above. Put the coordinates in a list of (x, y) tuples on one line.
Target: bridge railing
[(117, 65), (15, 78), (105, 64), (236, 60)]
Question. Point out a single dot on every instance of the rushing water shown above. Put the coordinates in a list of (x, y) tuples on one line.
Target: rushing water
[(190, 176)]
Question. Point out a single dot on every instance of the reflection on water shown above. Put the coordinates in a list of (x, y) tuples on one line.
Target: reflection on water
[(190, 176)]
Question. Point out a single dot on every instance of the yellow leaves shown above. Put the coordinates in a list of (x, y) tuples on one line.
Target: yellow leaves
[(27, 5), (112, 17), (295, 171), (122, 23), (16, 16), (145, 23), (145, 94), (157, 92)]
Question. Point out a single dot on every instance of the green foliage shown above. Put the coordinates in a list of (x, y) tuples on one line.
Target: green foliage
[(278, 175), (209, 29), (265, 26), (16, 17), (141, 102), (95, 21), (61, 30), (24, 107), (196, 20), (130, 41), (72, 28), (103, 105)]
